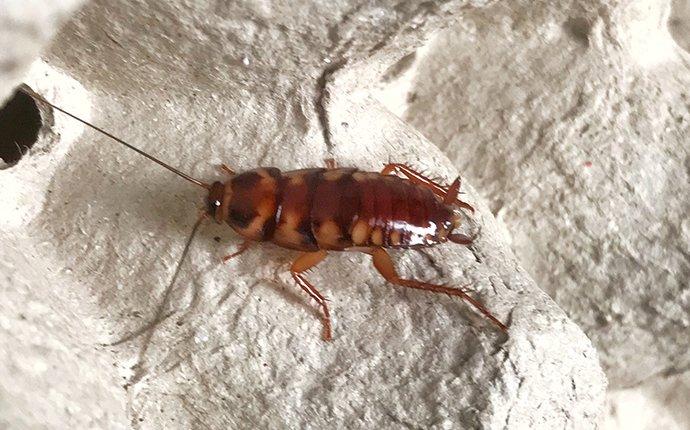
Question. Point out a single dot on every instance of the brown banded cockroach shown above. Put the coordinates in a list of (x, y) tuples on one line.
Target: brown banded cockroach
[(318, 210)]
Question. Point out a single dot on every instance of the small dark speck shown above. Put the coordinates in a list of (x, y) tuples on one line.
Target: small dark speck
[(141, 419), (179, 323), (265, 364), (344, 124), (217, 238)]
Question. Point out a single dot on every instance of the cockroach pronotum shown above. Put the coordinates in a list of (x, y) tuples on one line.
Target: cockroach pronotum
[(318, 210)]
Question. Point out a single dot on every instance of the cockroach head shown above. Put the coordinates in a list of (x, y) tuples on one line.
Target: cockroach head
[(215, 199)]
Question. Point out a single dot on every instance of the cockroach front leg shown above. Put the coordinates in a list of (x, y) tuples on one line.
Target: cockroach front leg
[(449, 195), (243, 247), (303, 263), (384, 265), (226, 169)]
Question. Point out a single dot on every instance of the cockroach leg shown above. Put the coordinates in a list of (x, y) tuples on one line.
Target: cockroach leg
[(384, 265), (460, 239), (243, 247), (330, 163), (225, 168), (452, 194), (422, 180), (303, 263)]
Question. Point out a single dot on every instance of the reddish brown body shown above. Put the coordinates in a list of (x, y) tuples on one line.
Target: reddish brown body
[(334, 209)]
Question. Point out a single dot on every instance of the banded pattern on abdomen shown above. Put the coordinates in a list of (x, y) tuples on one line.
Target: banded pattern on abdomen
[(395, 213), (343, 208)]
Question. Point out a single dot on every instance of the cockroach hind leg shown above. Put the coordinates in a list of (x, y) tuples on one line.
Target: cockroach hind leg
[(464, 205), (384, 265), (420, 178)]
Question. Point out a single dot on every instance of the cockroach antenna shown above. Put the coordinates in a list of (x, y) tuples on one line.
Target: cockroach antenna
[(26, 90), (159, 315)]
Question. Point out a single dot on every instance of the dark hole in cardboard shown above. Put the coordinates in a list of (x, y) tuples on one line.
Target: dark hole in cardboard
[(20, 122)]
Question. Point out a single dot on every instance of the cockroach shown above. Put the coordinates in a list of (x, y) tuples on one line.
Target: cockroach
[(318, 210)]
